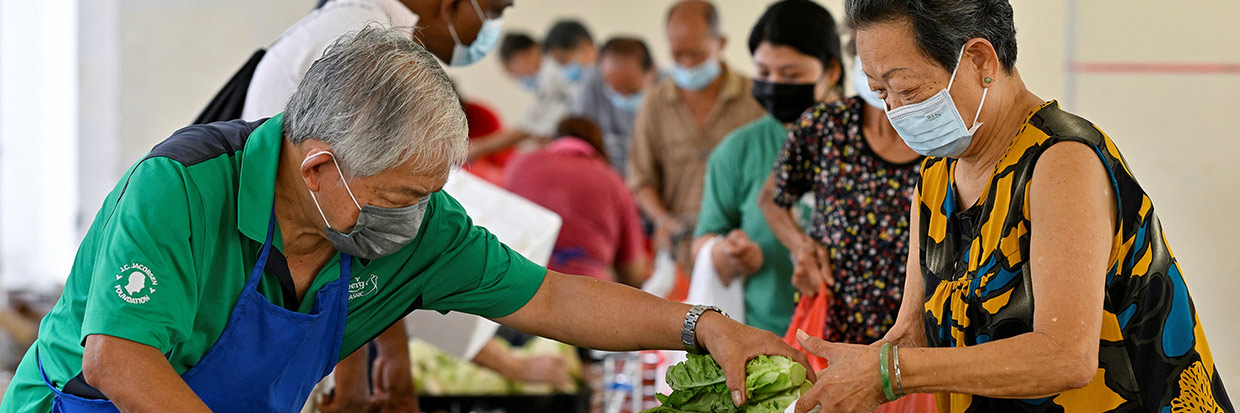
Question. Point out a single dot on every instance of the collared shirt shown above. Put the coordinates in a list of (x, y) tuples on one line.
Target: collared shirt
[(669, 148), (601, 228), (615, 123), (286, 62), (174, 243)]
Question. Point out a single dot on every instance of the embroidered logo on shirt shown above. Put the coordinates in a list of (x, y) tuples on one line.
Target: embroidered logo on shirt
[(361, 287), (135, 283)]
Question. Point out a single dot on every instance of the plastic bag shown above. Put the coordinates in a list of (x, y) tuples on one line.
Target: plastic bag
[(663, 279), (810, 316), (706, 288)]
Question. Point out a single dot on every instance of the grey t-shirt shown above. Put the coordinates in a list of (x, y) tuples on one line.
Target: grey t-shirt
[(615, 123)]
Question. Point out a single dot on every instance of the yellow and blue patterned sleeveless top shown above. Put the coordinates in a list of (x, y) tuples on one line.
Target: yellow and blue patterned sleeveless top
[(1152, 356)]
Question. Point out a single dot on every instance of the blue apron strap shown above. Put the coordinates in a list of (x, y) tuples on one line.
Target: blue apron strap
[(261, 264), (43, 373)]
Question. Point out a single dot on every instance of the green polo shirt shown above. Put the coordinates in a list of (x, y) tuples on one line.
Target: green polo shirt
[(735, 172), (170, 250)]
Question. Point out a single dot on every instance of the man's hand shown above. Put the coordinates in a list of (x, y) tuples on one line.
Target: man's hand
[(393, 389), (811, 267), (667, 230), (732, 344), (351, 393), (551, 370), (391, 374), (736, 256)]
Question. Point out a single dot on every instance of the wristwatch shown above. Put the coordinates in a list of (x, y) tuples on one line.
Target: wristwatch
[(688, 334)]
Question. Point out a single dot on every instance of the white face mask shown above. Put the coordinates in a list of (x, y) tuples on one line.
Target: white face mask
[(934, 127), (488, 37)]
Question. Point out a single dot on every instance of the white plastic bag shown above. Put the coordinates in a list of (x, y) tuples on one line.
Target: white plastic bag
[(706, 288), (663, 279)]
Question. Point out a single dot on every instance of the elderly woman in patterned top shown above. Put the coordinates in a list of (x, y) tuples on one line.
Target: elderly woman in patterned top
[(1039, 278)]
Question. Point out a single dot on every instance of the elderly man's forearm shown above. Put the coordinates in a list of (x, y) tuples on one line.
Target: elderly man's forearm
[(590, 313), (136, 377)]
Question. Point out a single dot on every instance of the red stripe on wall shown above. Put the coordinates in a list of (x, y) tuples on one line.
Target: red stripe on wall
[(1156, 68)]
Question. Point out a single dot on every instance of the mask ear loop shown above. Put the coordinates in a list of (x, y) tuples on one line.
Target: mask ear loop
[(452, 28), (984, 90), (342, 181), (482, 17)]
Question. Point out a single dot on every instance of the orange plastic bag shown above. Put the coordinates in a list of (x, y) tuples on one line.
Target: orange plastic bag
[(810, 316)]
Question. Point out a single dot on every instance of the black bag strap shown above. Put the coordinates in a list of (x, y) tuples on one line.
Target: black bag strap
[(230, 100)]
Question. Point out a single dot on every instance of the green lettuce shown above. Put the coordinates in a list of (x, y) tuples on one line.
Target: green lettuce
[(772, 383)]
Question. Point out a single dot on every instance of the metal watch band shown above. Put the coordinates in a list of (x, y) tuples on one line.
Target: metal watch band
[(688, 334)]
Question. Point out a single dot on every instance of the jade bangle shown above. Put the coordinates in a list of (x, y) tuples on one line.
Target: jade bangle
[(885, 372)]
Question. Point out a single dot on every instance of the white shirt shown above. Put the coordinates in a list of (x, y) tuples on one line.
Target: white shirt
[(287, 61), (552, 100)]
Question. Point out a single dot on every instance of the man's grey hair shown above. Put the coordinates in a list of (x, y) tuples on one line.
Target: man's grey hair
[(706, 10), (380, 99)]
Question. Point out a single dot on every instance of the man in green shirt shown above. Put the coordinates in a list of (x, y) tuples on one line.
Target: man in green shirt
[(231, 268), (749, 250)]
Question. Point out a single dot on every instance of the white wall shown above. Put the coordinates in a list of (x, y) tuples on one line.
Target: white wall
[(38, 131)]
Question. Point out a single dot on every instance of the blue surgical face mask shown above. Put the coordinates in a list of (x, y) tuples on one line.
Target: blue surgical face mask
[(698, 77), (488, 37), (934, 127), (378, 231), (863, 87), (629, 103), (529, 83), (573, 72)]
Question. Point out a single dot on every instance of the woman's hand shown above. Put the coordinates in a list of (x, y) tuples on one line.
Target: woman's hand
[(732, 344), (851, 383), (811, 267)]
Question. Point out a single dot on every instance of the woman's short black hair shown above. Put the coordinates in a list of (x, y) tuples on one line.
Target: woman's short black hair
[(514, 43), (566, 35), (941, 27), (802, 25)]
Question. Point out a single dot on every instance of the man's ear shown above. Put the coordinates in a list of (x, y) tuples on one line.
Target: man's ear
[(318, 161)]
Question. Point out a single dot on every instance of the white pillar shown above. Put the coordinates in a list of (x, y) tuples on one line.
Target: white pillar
[(38, 141), (99, 116)]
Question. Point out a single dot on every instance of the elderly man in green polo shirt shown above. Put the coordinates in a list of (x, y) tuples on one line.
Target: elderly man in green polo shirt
[(217, 274)]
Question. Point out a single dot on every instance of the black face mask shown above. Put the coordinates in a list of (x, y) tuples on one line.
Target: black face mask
[(784, 101)]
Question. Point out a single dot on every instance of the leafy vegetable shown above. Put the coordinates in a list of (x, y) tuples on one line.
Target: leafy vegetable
[(698, 385), (438, 373)]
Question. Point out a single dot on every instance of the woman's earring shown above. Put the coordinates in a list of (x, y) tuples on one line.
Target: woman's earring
[(987, 80)]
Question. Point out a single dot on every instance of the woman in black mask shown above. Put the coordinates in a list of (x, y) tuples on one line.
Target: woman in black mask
[(797, 53), (861, 177)]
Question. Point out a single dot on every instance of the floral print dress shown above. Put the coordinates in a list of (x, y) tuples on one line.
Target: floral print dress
[(861, 215)]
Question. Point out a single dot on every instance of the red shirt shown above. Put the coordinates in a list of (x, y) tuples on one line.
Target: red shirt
[(601, 229), (483, 121)]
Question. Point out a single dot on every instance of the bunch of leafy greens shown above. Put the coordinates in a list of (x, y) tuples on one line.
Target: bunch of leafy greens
[(771, 383)]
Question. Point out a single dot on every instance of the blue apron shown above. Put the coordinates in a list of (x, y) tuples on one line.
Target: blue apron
[(267, 359)]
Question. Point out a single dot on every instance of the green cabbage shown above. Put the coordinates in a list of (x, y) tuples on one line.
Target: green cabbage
[(698, 385)]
